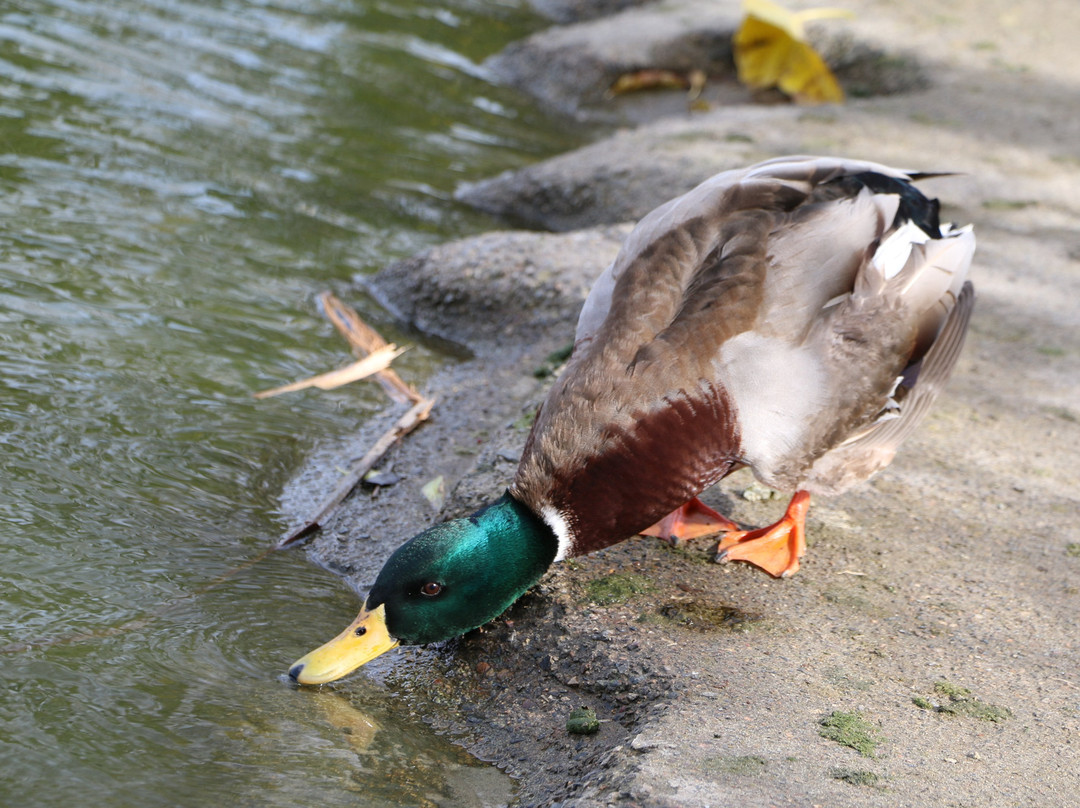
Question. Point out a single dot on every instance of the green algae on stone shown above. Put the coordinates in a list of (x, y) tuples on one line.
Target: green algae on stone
[(857, 777), (687, 553), (554, 361), (977, 709), (525, 420), (582, 721), (707, 617), (617, 588), (850, 729), (962, 702), (744, 765), (1009, 204), (952, 691), (1073, 549)]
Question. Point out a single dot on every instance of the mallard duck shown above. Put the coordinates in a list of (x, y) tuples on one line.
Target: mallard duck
[(797, 317)]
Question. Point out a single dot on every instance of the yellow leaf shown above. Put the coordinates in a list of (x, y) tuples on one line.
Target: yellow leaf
[(370, 364), (434, 491), (771, 51)]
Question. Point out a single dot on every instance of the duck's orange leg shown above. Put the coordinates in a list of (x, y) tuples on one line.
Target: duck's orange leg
[(776, 548), (689, 521)]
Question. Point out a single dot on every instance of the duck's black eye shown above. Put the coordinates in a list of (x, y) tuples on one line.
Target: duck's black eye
[(431, 589)]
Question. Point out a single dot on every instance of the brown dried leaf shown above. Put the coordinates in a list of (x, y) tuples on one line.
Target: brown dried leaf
[(650, 79), (361, 369)]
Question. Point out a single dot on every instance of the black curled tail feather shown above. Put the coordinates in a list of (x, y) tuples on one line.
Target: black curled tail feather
[(914, 205)]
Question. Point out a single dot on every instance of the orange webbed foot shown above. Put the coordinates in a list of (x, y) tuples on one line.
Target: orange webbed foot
[(776, 548), (689, 521)]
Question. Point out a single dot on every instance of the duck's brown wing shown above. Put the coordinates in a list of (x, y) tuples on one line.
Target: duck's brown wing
[(685, 255)]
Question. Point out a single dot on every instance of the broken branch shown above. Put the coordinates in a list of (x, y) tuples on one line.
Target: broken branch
[(365, 340), (404, 425)]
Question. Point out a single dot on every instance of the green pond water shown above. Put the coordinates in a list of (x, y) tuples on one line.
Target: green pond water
[(178, 181)]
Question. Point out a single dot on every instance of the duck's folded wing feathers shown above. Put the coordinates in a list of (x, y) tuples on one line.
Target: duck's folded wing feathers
[(873, 448), (775, 186)]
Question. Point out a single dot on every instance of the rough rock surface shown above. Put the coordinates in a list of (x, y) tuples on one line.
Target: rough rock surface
[(623, 177), (497, 288), (958, 568), (567, 11), (572, 68)]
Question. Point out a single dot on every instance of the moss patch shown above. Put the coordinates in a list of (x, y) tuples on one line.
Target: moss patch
[(944, 688), (977, 709), (743, 765), (850, 729), (960, 701), (553, 361), (1072, 549), (857, 777), (687, 553), (617, 588), (525, 421), (1009, 204), (582, 721), (708, 617)]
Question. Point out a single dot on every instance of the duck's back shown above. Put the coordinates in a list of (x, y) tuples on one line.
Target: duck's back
[(748, 322)]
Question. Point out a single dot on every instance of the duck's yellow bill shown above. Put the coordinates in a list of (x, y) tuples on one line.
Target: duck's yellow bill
[(364, 639)]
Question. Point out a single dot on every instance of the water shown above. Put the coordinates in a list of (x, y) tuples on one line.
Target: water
[(178, 181)]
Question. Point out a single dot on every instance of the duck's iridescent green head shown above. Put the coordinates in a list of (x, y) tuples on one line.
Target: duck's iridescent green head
[(447, 580)]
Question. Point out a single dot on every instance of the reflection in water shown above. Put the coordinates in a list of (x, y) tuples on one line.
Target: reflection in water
[(413, 768), (178, 181)]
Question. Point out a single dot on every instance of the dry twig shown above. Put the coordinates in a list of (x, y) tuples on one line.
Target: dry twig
[(405, 424), (366, 340), (366, 343)]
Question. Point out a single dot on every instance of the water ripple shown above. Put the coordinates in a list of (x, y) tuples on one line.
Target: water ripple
[(178, 182)]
